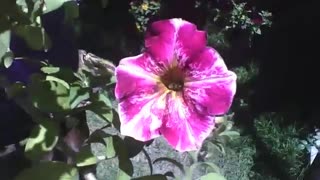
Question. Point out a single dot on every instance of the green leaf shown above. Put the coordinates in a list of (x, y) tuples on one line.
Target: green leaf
[(85, 157), (8, 62), (50, 70), (212, 176), (49, 171), (230, 134), (102, 107), (152, 177), (4, 44), (71, 10), (58, 80), (35, 37), (52, 5), (106, 139), (110, 150), (125, 163), (78, 95), (42, 140), (134, 146), (7, 59), (218, 145), (213, 167), (48, 96)]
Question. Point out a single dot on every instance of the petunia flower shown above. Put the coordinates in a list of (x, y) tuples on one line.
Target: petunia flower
[(175, 88)]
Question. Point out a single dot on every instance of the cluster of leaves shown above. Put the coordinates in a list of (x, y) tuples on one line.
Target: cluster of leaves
[(282, 142), (245, 74), (143, 11), (23, 18), (241, 16)]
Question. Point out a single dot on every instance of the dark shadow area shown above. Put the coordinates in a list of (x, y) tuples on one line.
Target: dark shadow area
[(288, 60)]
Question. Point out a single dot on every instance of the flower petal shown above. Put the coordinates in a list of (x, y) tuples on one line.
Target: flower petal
[(134, 76), (138, 91), (183, 127), (160, 41), (189, 40), (173, 39), (141, 116), (209, 83)]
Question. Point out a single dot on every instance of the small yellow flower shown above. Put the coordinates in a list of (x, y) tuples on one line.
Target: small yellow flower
[(144, 6)]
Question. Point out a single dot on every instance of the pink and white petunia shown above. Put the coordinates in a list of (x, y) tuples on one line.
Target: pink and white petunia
[(175, 88)]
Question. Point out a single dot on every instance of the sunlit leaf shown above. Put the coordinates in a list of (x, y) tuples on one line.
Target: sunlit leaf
[(85, 157), (212, 176), (71, 10), (7, 59), (102, 107), (50, 70), (106, 139), (58, 80), (49, 171), (230, 134), (78, 95), (42, 140), (48, 96), (52, 5), (4, 44)]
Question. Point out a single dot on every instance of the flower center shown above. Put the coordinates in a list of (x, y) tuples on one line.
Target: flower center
[(173, 79)]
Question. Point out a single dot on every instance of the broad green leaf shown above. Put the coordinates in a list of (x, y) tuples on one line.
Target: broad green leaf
[(106, 139), (7, 62), (230, 134), (212, 176), (85, 157), (152, 177), (50, 70), (218, 145), (35, 37), (212, 166), (49, 171), (48, 96), (71, 10), (102, 111), (58, 80), (4, 44), (7, 59), (42, 140), (78, 95), (110, 149), (134, 146), (102, 106), (52, 5), (125, 163)]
